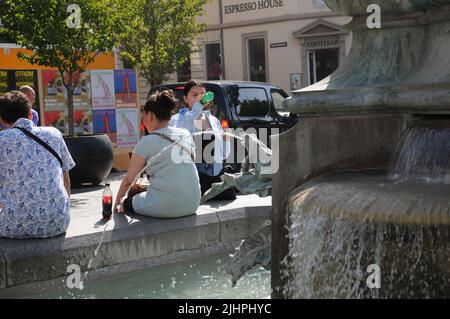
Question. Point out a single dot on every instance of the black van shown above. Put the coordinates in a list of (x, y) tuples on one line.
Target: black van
[(246, 105)]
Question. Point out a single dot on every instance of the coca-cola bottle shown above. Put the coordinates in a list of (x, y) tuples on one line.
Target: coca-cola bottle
[(107, 201)]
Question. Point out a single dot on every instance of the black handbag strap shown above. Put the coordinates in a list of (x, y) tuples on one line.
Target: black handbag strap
[(37, 139), (173, 141)]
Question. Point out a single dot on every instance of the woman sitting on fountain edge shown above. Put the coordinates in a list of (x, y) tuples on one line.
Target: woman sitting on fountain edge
[(174, 189)]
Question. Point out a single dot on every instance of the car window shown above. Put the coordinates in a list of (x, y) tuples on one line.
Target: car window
[(278, 97), (250, 103)]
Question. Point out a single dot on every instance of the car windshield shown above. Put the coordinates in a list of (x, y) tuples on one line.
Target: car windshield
[(278, 96)]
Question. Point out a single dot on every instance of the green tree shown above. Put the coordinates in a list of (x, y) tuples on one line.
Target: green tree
[(61, 36), (159, 38)]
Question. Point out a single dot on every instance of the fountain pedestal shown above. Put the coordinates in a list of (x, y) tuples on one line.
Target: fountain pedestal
[(392, 79)]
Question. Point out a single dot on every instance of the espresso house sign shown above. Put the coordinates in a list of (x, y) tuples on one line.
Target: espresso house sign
[(252, 6)]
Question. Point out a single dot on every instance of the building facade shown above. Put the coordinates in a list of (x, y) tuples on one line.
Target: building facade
[(291, 43)]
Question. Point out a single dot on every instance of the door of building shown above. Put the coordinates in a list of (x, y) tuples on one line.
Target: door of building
[(256, 59), (321, 63)]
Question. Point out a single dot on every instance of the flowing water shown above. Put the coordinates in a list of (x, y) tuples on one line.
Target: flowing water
[(423, 155), (372, 234)]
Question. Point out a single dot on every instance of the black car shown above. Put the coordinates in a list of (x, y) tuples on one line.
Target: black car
[(243, 104), (246, 105)]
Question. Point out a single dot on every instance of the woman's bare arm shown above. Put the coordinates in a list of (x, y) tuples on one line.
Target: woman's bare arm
[(137, 163)]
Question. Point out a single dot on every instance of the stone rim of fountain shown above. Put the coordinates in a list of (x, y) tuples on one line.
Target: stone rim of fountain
[(305, 193)]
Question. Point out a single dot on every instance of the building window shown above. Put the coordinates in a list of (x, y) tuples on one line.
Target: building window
[(256, 59), (184, 72), (321, 63), (213, 61)]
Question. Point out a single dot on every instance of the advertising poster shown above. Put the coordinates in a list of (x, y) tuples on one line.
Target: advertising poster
[(55, 94), (14, 79), (24, 77), (105, 122), (103, 93), (58, 119), (83, 122), (82, 90), (54, 91), (127, 127), (125, 88)]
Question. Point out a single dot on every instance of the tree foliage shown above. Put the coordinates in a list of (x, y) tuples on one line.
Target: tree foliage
[(42, 27), (160, 36)]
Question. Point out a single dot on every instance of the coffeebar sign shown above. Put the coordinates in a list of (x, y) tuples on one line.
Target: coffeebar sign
[(253, 6), (315, 44)]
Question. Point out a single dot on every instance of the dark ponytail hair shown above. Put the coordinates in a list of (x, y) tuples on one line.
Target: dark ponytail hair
[(162, 104), (190, 85)]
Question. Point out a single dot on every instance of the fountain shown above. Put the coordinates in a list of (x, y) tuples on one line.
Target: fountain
[(361, 203)]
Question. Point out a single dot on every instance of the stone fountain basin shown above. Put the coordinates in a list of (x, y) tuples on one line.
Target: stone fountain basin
[(344, 222), (372, 197)]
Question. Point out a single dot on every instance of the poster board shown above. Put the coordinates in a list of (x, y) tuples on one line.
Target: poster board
[(127, 115)]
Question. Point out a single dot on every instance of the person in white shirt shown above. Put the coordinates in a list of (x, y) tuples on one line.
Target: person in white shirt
[(195, 117), (34, 179)]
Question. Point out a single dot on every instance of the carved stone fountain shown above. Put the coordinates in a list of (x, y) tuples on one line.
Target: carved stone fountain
[(365, 176)]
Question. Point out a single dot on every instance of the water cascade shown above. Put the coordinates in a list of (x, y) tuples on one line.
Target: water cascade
[(346, 222)]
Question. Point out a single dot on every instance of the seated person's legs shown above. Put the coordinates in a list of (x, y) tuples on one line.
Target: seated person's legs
[(128, 205)]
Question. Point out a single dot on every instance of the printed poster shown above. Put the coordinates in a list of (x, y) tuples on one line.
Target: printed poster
[(82, 90), (127, 127), (54, 91), (105, 122), (83, 122), (103, 93), (58, 119), (55, 94), (125, 88), (14, 79)]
